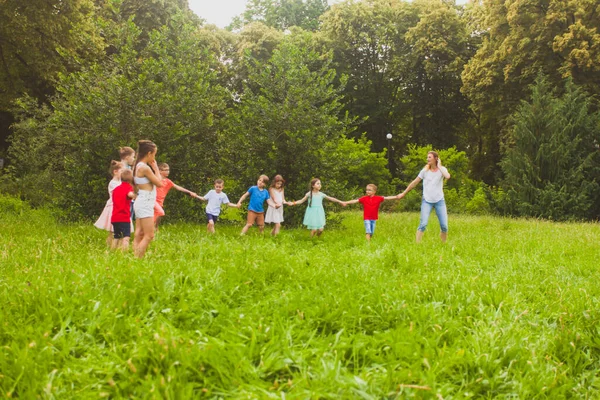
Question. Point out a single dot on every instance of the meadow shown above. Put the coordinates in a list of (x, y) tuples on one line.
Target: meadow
[(505, 309)]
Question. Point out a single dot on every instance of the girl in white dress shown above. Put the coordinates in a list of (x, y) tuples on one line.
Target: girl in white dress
[(275, 214)]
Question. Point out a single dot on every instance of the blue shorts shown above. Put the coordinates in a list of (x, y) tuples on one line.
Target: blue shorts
[(370, 226), (213, 218), (121, 229)]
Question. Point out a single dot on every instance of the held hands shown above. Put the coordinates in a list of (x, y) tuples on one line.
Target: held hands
[(278, 205), (192, 194)]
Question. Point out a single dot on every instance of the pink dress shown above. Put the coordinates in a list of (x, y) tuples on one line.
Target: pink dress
[(104, 221)]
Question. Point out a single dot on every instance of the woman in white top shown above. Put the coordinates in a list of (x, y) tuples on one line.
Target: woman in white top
[(146, 178), (433, 194), (275, 214)]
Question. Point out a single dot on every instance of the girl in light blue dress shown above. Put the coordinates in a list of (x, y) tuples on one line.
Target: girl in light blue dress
[(314, 218)]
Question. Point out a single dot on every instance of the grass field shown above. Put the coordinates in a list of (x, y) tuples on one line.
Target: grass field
[(505, 309)]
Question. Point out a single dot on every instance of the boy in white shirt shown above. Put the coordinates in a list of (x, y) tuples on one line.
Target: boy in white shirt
[(215, 198)]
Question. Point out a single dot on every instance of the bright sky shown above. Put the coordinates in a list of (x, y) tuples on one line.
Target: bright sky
[(221, 12)]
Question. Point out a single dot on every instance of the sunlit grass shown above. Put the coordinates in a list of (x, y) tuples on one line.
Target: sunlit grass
[(506, 307)]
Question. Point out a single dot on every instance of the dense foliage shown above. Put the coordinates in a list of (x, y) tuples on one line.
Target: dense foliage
[(299, 88)]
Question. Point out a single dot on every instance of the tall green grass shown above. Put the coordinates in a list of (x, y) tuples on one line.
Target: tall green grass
[(507, 308)]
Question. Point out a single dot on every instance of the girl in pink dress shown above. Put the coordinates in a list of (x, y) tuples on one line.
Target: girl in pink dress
[(103, 221)]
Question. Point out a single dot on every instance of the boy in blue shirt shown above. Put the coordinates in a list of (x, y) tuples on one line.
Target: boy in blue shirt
[(256, 212)]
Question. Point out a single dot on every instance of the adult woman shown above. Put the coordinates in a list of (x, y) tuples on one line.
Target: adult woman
[(433, 194), (146, 178)]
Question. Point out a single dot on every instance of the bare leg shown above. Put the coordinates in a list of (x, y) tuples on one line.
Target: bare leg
[(368, 237), (419, 236), (156, 222), (261, 229), (147, 225), (319, 232), (139, 234), (114, 244), (444, 236), (210, 227), (245, 228), (109, 239), (125, 243), (276, 229), (312, 232)]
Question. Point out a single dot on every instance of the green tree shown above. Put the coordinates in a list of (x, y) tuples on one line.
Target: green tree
[(282, 14), (288, 122), (168, 93), (439, 50), (552, 167), (520, 38), (369, 47)]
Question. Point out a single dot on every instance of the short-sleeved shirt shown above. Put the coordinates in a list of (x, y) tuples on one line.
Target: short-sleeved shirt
[(433, 185), (121, 211), (161, 192), (214, 202), (257, 199), (371, 206)]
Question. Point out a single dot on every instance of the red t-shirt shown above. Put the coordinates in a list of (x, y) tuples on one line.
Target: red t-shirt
[(161, 192), (121, 211), (371, 206)]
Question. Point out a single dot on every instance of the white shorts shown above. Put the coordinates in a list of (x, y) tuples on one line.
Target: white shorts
[(144, 204)]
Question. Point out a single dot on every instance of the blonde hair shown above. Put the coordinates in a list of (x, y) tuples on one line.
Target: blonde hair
[(435, 155), (373, 186), (127, 176)]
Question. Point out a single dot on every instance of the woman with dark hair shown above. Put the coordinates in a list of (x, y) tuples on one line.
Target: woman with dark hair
[(432, 175), (146, 178)]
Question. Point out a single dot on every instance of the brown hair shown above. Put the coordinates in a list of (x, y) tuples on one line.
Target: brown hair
[(219, 181), (265, 179), (162, 166), (145, 147), (373, 186), (127, 176), (125, 151), (114, 166), (435, 155), (312, 184), (278, 178)]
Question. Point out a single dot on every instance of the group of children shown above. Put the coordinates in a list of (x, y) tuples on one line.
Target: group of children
[(119, 212)]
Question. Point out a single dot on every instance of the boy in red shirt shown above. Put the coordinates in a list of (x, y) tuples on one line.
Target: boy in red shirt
[(371, 205), (121, 212), (161, 192)]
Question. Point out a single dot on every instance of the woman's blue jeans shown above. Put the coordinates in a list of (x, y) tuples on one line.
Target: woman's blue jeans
[(440, 211)]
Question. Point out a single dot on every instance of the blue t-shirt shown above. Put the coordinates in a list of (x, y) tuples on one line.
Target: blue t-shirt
[(257, 199)]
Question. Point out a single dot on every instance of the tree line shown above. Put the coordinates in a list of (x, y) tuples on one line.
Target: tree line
[(505, 90)]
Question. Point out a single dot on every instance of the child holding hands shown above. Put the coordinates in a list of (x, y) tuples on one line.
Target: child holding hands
[(370, 204), (215, 198), (314, 217), (121, 211), (161, 192), (103, 221), (275, 214), (258, 195)]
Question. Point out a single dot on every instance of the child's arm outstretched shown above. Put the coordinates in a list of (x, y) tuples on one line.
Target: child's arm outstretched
[(390, 197), (239, 203), (293, 203), (335, 200), (345, 203), (184, 190)]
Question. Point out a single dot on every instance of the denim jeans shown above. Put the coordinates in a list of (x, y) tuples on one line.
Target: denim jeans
[(370, 226), (440, 211)]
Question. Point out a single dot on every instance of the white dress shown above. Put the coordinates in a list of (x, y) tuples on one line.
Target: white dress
[(275, 215), (104, 221)]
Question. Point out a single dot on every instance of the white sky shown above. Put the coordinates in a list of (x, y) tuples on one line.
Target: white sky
[(221, 12)]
